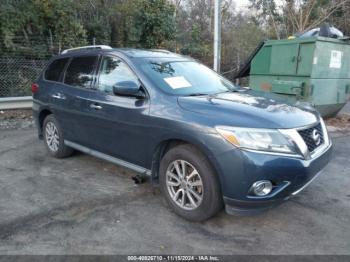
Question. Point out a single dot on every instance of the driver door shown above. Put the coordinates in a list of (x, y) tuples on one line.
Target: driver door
[(120, 124)]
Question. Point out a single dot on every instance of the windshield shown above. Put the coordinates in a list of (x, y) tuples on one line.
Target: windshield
[(186, 78)]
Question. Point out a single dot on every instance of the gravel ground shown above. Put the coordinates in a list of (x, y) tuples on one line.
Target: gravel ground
[(83, 205), (346, 109), (339, 125), (14, 119)]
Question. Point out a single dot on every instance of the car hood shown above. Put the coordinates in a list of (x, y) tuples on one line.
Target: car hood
[(250, 109)]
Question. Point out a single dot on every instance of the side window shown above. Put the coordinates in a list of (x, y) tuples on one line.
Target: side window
[(113, 71), (54, 70), (80, 71)]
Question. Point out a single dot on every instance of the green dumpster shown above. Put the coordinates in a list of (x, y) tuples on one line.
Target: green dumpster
[(315, 70)]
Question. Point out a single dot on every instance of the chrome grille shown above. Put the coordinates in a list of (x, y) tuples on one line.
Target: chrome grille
[(307, 135)]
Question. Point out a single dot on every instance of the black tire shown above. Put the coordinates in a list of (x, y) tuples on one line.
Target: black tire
[(62, 150), (211, 202)]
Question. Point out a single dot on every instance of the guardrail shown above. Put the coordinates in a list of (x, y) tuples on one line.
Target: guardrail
[(15, 102)]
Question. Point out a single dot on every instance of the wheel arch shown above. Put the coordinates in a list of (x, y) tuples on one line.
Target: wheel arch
[(42, 115), (166, 144)]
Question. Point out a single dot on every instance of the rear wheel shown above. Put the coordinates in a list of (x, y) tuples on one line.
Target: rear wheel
[(189, 183), (53, 138)]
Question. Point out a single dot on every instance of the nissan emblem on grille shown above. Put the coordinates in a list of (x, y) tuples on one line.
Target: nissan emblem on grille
[(316, 136)]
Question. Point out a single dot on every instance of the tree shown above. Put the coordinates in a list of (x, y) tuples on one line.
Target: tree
[(97, 18), (289, 17), (155, 18), (267, 11), (304, 15), (238, 41), (31, 26), (194, 29)]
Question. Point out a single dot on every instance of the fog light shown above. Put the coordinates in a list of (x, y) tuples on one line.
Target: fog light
[(261, 188)]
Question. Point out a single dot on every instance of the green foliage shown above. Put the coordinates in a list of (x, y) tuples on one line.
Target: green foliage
[(56, 24), (146, 23), (156, 20), (197, 47), (194, 33), (44, 22)]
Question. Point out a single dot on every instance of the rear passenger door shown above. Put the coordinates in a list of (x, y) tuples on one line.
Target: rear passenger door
[(76, 89), (120, 123), (53, 93)]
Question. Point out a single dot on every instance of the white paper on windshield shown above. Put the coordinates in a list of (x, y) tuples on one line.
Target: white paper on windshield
[(177, 82)]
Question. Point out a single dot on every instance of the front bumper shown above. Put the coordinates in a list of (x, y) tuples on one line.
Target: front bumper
[(289, 175)]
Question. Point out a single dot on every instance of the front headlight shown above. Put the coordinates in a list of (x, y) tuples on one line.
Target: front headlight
[(269, 140)]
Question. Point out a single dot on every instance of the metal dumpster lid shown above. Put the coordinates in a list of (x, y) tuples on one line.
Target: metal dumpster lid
[(245, 68)]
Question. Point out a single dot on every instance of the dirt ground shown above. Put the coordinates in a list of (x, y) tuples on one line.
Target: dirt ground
[(340, 123), (10, 119)]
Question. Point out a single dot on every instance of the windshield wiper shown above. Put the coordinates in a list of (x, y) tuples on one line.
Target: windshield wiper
[(228, 91), (213, 94)]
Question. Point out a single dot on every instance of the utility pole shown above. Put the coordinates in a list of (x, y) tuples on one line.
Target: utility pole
[(217, 35)]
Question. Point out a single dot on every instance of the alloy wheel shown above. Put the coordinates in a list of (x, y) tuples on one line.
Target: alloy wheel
[(184, 184), (52, 137)]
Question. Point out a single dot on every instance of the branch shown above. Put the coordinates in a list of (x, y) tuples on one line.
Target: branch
[(92, 4), (273, 23), (292, 16), (310, 8), (330, 11)]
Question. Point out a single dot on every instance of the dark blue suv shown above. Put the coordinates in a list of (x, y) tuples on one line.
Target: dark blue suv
[(207, 142)]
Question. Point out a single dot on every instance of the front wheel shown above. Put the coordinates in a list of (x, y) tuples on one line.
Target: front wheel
[(189, 183)]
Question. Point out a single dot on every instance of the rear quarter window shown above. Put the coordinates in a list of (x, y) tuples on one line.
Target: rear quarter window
[(54, 70)]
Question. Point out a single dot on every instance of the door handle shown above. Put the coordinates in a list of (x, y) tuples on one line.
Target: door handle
[(58, 96), (96, 107)]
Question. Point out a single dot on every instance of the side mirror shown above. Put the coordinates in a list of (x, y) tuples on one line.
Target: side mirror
[(127, 88)]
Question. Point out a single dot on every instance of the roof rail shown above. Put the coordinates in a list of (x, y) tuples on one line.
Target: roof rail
[(160, 50), (89, 47)]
